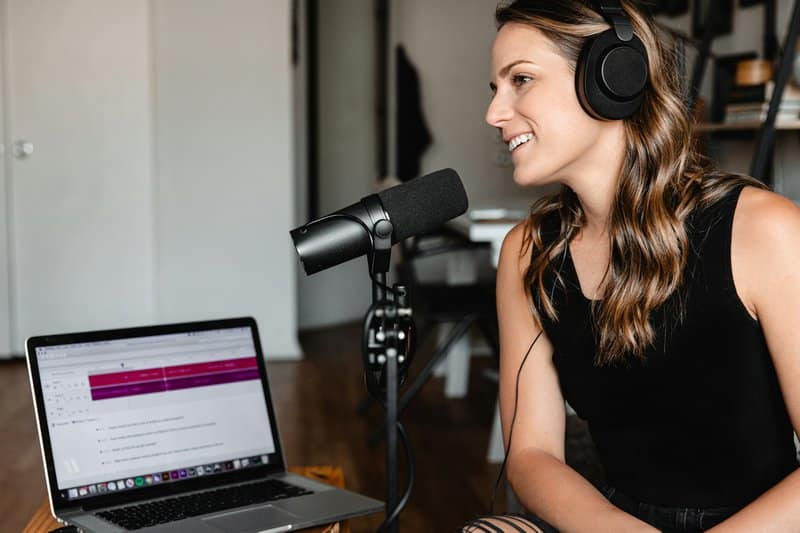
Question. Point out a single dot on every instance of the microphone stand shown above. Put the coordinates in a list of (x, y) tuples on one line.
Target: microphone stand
[(387, 348)]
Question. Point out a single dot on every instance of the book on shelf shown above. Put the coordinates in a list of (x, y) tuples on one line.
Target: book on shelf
[(756, 111), (741, 94), (784, 107), (791, 91), (761, 116)]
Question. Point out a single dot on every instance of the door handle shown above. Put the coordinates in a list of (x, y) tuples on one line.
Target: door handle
[(23, 149)]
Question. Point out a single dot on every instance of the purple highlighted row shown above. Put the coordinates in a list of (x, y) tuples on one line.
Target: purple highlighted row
[(152, 374), (117, 391)]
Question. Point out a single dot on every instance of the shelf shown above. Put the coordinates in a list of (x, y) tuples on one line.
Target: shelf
[(744, 126)]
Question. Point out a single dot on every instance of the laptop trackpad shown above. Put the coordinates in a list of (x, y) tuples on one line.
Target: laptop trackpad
[(251, 520)]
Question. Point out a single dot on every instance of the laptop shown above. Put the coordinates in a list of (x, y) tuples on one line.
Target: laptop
[(170, 428)]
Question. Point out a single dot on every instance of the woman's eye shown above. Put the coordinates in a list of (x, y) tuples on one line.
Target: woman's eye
[(520, 79)]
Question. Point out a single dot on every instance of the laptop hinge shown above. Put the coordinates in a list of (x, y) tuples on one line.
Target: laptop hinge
[(71, 511)]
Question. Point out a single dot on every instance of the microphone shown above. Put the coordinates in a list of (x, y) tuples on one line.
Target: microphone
[(416, 207)]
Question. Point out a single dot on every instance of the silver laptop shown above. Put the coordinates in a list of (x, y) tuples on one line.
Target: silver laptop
[(170, 428)]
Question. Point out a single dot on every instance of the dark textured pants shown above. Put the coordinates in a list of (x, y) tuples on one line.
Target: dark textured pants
[(670, 519), (666, 519)]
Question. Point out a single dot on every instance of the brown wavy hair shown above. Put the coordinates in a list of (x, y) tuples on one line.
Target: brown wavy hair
[(663, 179)]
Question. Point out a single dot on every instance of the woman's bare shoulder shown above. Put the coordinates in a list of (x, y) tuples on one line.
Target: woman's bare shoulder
[(766, 233), (764, 215), (515, 245)]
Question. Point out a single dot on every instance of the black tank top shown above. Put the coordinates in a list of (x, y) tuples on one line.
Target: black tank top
[(701, 422)]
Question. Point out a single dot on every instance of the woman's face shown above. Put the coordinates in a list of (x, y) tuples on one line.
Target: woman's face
[(535, 108)]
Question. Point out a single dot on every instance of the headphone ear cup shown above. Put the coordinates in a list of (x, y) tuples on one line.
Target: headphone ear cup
[(611, 75)]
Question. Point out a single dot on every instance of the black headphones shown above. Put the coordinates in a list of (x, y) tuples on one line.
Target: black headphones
[(612, 69)]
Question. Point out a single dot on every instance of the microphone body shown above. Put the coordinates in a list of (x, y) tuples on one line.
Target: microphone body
[(335, 239), (416, 207)]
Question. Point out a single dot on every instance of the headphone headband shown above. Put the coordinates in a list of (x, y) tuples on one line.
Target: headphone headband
[(612, 11)]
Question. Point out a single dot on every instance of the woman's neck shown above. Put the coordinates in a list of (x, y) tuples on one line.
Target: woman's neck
[(596, 181), (597, 212)]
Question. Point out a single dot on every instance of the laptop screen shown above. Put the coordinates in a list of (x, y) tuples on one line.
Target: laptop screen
[(129, 413)]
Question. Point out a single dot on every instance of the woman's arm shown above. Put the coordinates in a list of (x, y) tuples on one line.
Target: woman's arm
[(765, 256), (536, 469)]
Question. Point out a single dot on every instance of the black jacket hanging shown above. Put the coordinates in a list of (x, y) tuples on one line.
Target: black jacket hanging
[(413, 136)]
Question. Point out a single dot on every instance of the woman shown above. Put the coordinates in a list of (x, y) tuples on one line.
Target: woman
[(663, 294)]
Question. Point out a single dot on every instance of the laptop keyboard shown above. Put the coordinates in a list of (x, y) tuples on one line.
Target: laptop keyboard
[(171, 509)]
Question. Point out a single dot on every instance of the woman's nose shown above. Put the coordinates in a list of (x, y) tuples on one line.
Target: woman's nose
[(498, 112)]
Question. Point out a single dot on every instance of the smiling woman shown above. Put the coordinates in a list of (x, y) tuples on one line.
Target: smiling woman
[(637, 293), (535, 82)]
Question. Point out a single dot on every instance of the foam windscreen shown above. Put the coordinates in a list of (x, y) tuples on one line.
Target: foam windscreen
[(423, 204)]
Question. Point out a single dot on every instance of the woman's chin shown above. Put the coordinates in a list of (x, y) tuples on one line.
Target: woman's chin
[(528, 179)]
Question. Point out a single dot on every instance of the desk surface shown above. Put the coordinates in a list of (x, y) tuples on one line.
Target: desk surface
[(42, 521), (491, 229)]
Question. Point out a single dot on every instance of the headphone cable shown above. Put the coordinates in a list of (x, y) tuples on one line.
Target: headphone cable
[(513, 419), (519, 373)]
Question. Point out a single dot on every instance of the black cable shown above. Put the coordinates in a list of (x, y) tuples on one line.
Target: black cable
[(410, 464), (373, 389), (519, 373), (513, 419), (371, 242)]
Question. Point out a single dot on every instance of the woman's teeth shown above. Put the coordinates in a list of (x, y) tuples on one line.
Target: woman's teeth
[(518, 140)]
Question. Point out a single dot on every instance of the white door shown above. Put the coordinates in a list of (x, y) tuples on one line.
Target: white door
[(78, 80), (5, 308)]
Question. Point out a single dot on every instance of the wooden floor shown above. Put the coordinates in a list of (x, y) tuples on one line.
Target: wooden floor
[(315, 402)]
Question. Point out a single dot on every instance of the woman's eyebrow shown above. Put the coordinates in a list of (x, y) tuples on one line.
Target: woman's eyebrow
[(504, 71)]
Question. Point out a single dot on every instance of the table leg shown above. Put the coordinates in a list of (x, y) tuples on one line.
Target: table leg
[(496, 451), (461, 270)]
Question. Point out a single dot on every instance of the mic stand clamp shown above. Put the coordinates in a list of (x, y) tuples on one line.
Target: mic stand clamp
[(387, 348)]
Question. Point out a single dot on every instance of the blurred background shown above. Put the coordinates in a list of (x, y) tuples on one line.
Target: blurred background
[(154, 155)]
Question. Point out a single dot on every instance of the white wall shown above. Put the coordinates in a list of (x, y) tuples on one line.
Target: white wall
[(224, 154), (347, 156)]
